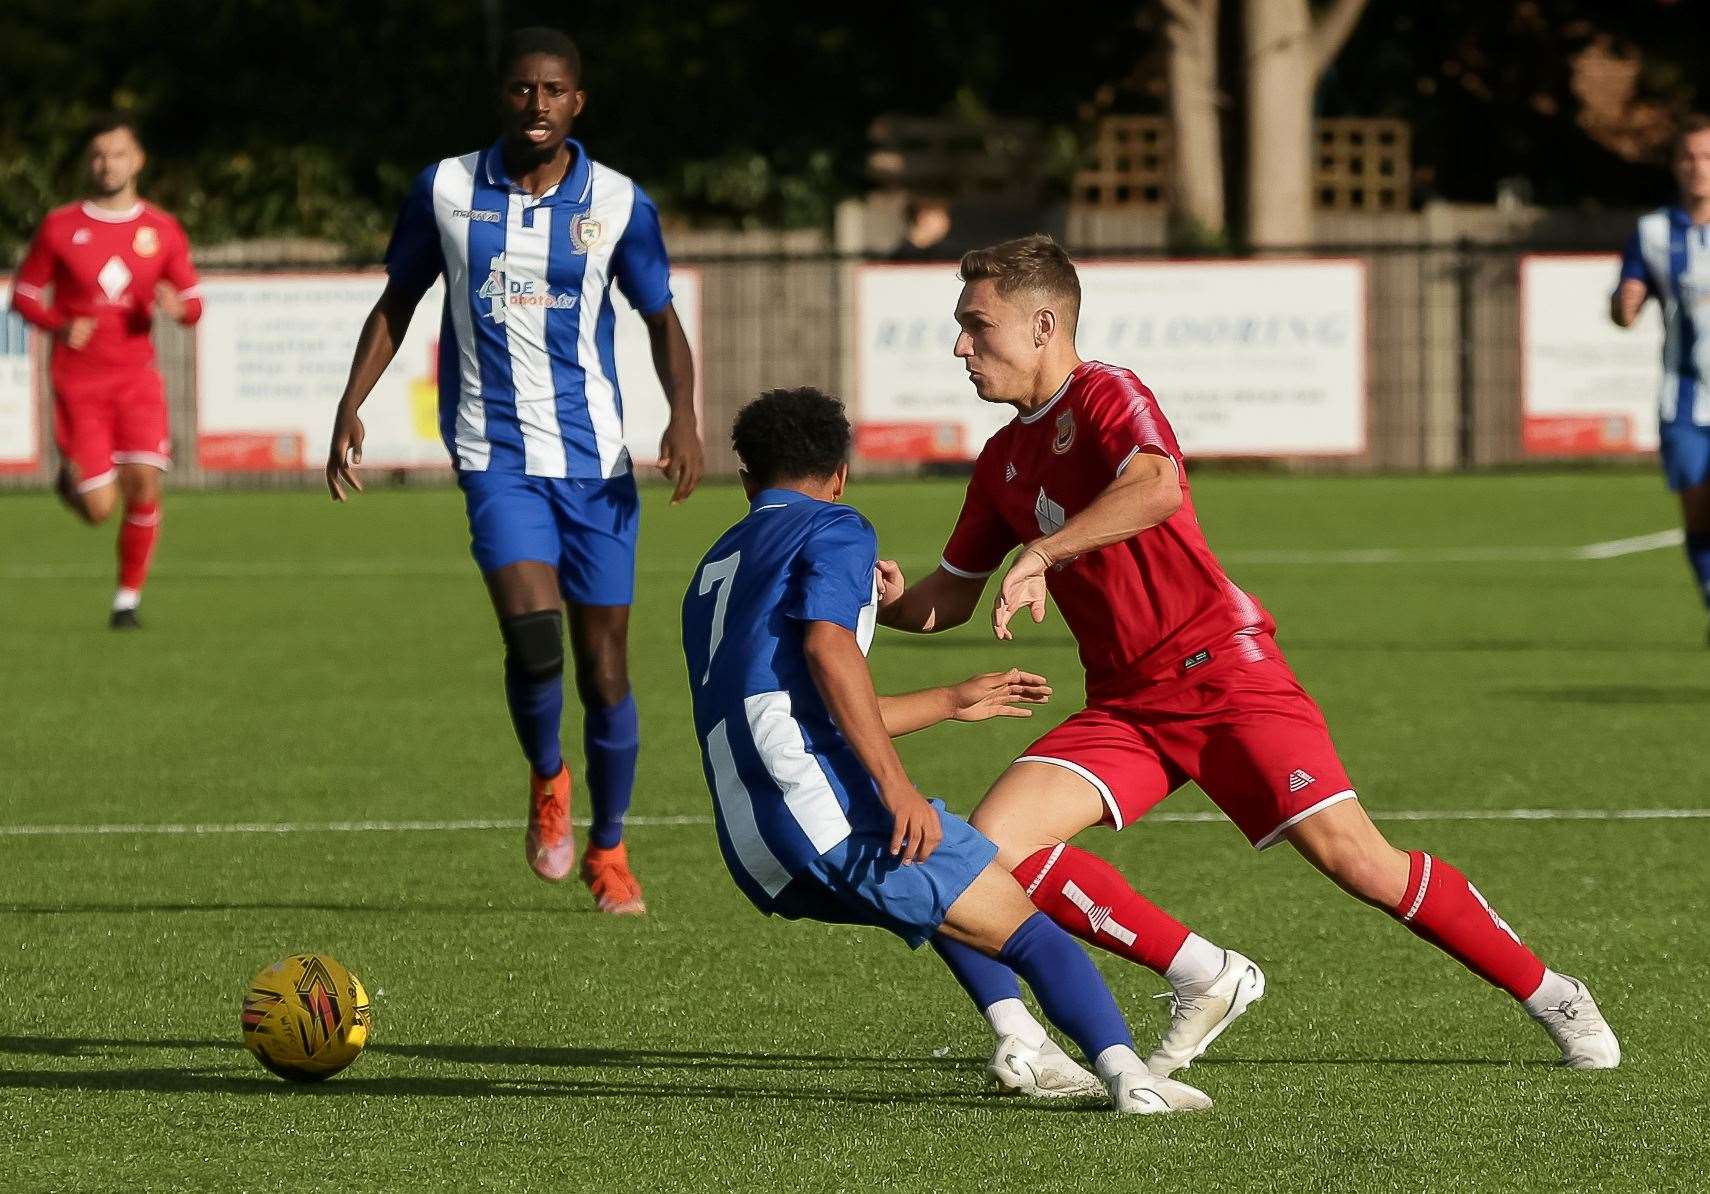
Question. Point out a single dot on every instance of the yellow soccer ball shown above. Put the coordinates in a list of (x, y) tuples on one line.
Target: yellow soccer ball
[(306, 1018)]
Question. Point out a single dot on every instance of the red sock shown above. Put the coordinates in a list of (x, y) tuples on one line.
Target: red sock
[(1087, 896), (136, 543), (1446, 910)]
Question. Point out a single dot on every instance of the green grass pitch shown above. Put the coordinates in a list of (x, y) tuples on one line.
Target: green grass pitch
[(307, 664)]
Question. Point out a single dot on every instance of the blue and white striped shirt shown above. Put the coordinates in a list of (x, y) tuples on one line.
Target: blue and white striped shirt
[(1671, 255), (527, 370), (786, 785)]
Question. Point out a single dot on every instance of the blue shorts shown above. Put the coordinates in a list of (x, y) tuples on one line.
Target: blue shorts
[(584, 529), (859, 882), (1685, 455)]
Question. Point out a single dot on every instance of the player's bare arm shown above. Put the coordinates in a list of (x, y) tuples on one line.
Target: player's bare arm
[(382, 333), (681, 457), (1626, 302), (940, 601), (840, 673), (993, 694), (1146, 493)]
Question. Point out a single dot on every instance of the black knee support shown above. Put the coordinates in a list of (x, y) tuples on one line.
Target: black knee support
[(534, 644)]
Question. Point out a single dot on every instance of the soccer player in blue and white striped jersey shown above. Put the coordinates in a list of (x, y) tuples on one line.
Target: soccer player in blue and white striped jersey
[(1668, 258), (530, 234), (815, 815)]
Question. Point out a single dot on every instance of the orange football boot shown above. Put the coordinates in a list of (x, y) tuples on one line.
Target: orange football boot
[(549, 848), (615, 887)]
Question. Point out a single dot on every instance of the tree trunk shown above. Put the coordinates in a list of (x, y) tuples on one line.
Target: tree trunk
[(1287, 53), (1196, 197)]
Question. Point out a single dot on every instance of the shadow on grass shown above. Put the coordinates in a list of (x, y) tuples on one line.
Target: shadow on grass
[(471, 909), (621, 1076), (1617, 694), (615, 1073)]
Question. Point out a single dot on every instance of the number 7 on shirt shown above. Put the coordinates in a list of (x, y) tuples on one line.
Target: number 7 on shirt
[(718, 575)]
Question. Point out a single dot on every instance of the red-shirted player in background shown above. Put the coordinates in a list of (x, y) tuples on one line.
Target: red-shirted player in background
[(1184, 681), (91, 278)]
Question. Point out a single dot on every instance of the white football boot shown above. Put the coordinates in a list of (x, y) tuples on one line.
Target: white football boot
[(1198, 1017), (1580, 1031), (1045, 1072), (1146, 1093)]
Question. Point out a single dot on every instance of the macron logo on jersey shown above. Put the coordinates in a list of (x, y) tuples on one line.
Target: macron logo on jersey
[(508, 286)]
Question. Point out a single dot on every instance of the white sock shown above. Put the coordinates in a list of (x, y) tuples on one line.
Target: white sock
[(1555, 990), (1010, 1017), (1196, 963), (1118, 1059), (126, 599)]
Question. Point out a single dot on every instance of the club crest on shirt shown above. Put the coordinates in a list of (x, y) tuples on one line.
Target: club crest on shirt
[(1065, 433), (146, 243), (584, 233)]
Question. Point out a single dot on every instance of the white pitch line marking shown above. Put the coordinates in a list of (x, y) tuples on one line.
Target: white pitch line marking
[(208, 828), (1638, 543), (1606, 550), (380, 569)]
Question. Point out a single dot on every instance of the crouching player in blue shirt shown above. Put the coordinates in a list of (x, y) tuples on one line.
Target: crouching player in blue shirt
[(816, 818)]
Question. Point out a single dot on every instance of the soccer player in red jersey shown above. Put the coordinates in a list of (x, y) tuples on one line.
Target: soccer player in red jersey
[(93, 274), (1184, 679)]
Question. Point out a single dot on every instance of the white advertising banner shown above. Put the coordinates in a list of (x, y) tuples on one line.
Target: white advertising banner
[(20, 437), (1247, 358), (273, 351), (1587, 386)]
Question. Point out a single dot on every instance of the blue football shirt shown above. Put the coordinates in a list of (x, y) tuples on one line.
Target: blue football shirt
[(1671, 255), (527, 347), (786, 785)]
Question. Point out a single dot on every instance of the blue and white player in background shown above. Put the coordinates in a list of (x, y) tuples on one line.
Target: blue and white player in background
[(1668, 257), (530, 234), (816, 818)]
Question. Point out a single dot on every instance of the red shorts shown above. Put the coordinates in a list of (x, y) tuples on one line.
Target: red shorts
[(108, 417), (1248, 735)]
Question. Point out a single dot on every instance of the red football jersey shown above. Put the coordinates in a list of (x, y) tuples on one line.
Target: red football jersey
[(106, 264), (1152, 608)]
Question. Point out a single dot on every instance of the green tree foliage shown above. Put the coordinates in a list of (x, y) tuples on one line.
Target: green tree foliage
[(309, 117), (1488, 88)]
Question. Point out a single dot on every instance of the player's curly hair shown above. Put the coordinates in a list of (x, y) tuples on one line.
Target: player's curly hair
[(539, 39), (791, 435)]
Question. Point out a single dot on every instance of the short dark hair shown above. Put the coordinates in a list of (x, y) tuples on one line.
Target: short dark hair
[(791, 435), (1034, 263), (1690, 124), (109, 122), (539, 39)]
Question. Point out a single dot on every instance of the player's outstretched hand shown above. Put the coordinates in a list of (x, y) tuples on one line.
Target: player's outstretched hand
[(344, 454), (917, 830), (681, 459), (1023, 588), (891, 582), (998, 694)]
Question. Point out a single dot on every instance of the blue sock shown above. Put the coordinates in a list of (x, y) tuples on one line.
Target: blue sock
[(1698, 555), (537, 706), (612, 739), (1069, 987), (986, 980)]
